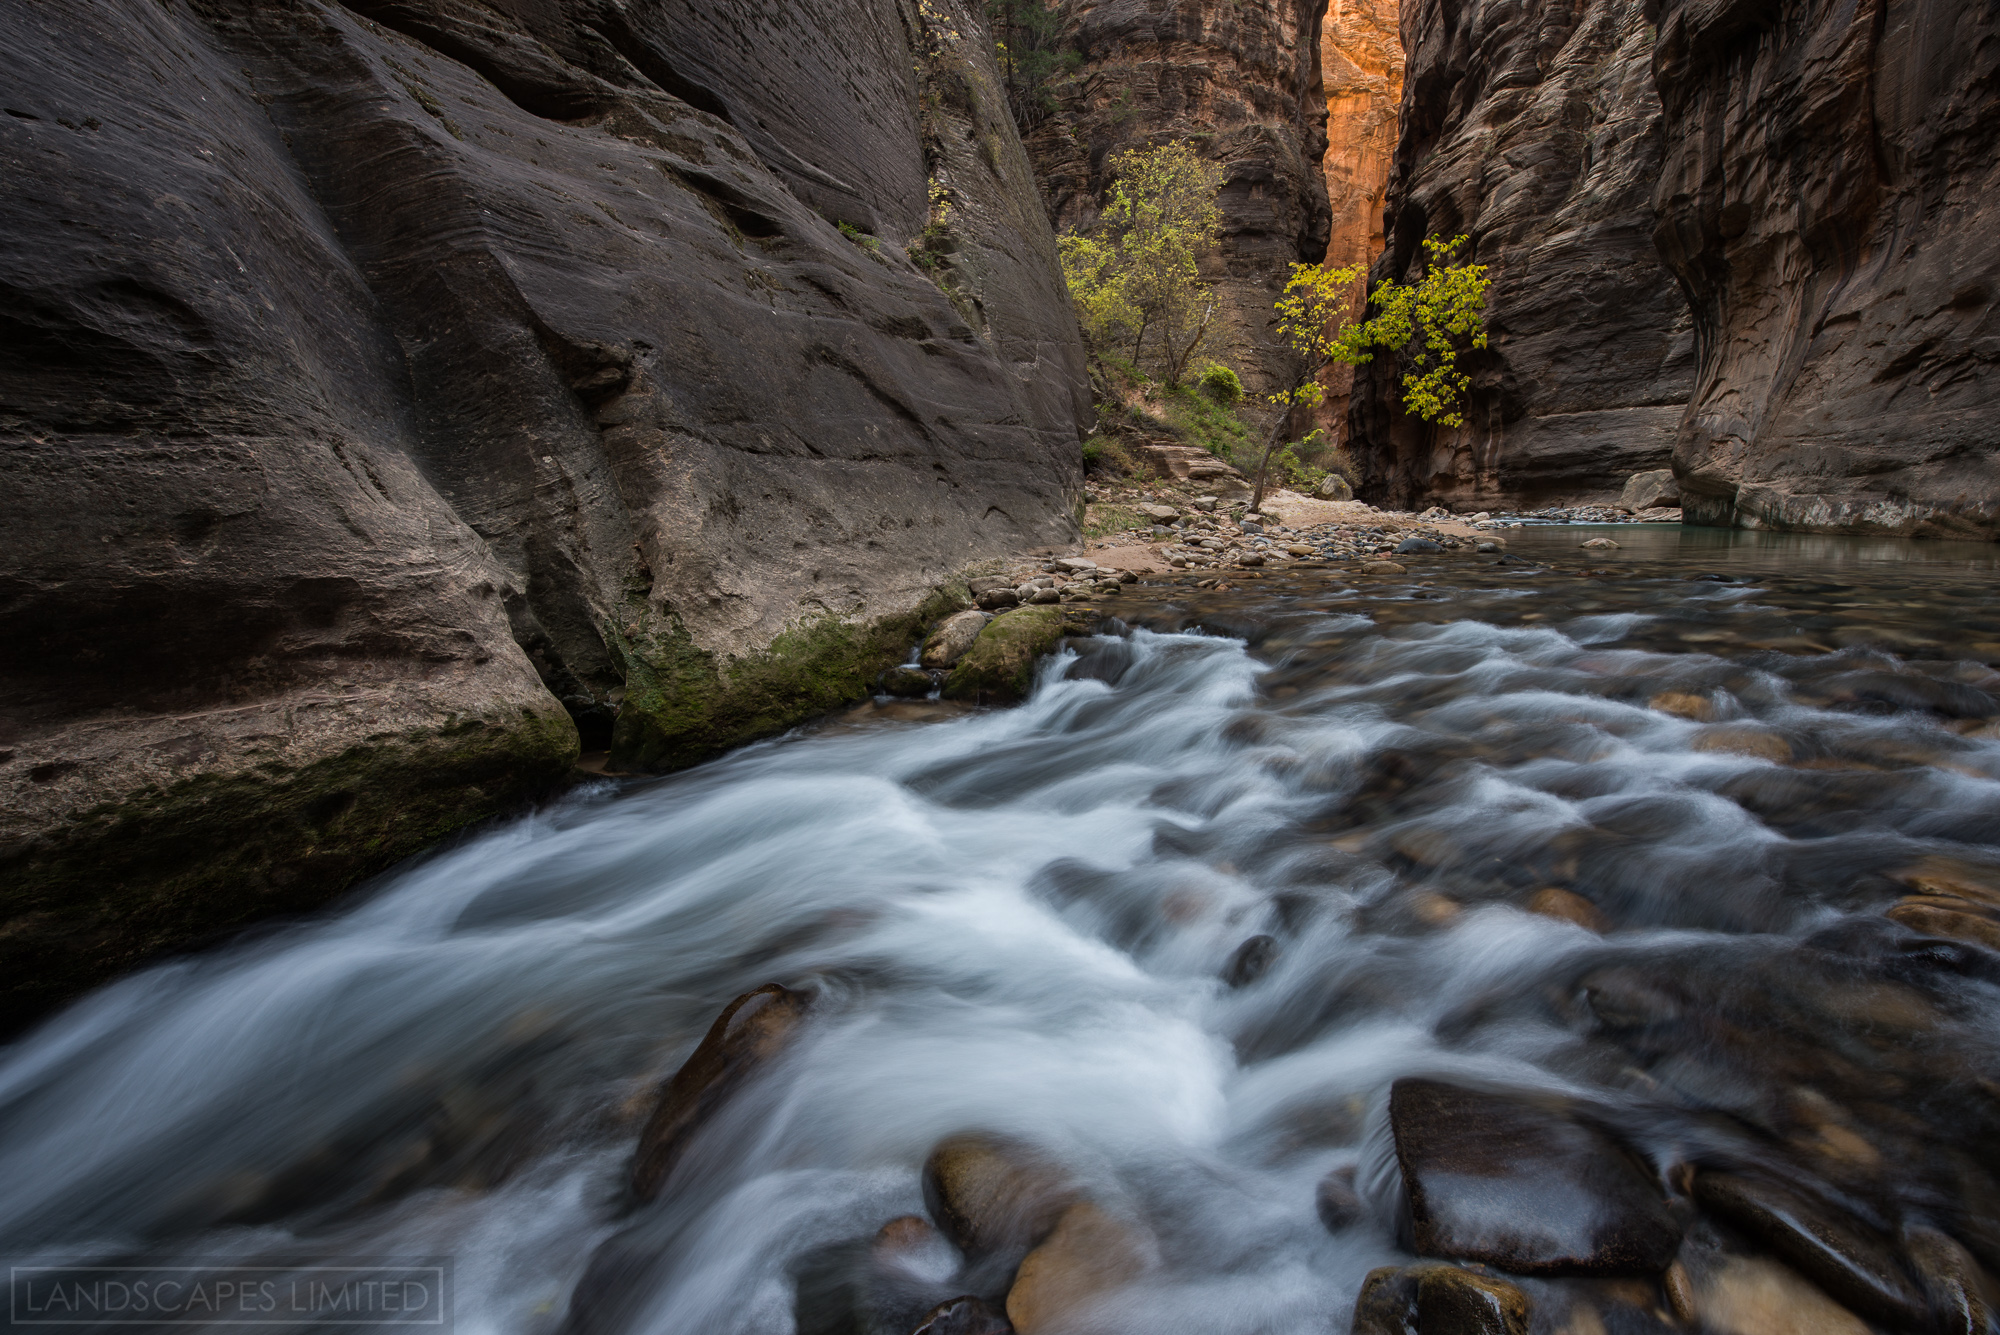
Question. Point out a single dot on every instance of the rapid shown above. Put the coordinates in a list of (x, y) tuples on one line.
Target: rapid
[(1623, 828)]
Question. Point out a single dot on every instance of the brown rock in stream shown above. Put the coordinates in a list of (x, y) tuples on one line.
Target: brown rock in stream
[(1090, 1254), (1434, 1299), (993, 1195), (964, 1316), (750, 1031), (1854, 1266), (1519, 1182), (948, 643)]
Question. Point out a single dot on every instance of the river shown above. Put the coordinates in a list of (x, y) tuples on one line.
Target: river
[(1620, 826)]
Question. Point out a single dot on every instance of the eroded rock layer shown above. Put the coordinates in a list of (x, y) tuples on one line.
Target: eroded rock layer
[(375, 376), (1241, 79), (1532, 127), (1827, 199)]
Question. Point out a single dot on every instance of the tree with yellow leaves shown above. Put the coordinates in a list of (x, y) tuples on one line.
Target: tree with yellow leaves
[(1425, 323)]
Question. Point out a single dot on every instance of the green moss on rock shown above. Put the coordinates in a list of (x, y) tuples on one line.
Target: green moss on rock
[(1000, 666), (169, 868), (683, 705)]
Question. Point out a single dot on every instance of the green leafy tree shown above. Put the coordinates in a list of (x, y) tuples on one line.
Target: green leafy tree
[(1425, 323), (1137, 276)]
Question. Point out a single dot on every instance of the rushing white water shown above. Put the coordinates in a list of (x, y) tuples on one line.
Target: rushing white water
[(1015, 921)]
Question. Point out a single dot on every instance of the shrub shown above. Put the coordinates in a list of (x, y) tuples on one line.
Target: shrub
[(1220, 384)]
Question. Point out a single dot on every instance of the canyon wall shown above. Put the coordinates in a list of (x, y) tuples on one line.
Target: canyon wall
[(1361, 66), (1827, 201), (1241, 80), (390, 389), (1532, 126)]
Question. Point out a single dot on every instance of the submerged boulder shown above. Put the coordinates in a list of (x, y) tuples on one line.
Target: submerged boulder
[(1518, 1181), (1841, 1255), (995, 1196), (751, 1030)]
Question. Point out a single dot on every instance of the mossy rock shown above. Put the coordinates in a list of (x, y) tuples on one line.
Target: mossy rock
[(684, 705), (167, 869), (999, 669)]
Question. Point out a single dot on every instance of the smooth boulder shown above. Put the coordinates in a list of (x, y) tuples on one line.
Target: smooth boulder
[(1841, 1255), (751, 1031), (1650, 490), (995, 1197), (954, 635), (1520, 1182), (1000, 666)]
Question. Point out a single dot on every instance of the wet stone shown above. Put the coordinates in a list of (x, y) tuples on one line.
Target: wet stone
[(1850, 1262), (1418, 547), (1088, 1255), (1520, 1182), (964, 1316), (1249, 961), (907, 682), (953, 638), (751, 1031), (1336, 1201), (993, 1196)]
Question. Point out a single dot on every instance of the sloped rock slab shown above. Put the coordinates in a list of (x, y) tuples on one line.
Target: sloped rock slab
[(1522, 1183)]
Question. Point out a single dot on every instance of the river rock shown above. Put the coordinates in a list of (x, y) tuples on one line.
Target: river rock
[(1336, 1201), (1960, 1294), (1855, 1267), (1418, 547), (1520, 1182), (1045, 595), (1430, 1298), (1568, 906), (907, 682), (1166, 514), (1089, 1255), (964, 1316), (995, 1197), (1753, 1295), (1334, 487), (1382, 568), (949, 642), (1451, 1301), (1836, 395), (1648, 490), (751, 1031), (996, 600), (1077, 565), (1000, 666), (1598, 545), (1249, 961), (1951, 923)]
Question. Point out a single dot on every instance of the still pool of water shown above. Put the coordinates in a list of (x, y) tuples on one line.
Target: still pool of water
[(1622, 827)]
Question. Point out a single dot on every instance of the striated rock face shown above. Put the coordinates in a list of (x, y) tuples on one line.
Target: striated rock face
[(1533, 127), (1827, 200), (374, 377), (1361, 64), (1241, 78)]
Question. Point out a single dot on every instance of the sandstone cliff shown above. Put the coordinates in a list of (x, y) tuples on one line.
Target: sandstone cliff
[(374, 376), (1827, 200), (1241, 79), (1361, 63), (1533, 127)]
